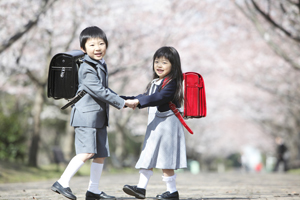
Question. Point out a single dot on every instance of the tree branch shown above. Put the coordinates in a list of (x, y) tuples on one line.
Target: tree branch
[(272, 22), (262, 32), (16, 36), (35, 79)]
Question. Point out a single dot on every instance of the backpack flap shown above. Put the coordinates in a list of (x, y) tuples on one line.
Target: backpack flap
[(63, 74), (194, 96)]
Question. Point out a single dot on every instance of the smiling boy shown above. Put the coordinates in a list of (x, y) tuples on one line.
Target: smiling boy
[(90, 116)]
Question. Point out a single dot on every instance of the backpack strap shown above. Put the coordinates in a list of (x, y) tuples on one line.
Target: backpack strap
[(74, 99), (93, 65), (174, 109)]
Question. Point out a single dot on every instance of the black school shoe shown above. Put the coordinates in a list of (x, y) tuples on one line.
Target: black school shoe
[(67, 192), (138, 193), (168, 196), (92, 196)]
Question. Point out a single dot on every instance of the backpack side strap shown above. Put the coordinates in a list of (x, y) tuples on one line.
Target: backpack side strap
[(74, 99), (175, 110), (179, 116)]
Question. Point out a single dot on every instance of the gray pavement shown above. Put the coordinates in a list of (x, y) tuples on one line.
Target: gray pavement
[(190, 186)]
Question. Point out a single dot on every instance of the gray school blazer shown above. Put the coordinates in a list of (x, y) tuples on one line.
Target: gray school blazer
[(92, 110)]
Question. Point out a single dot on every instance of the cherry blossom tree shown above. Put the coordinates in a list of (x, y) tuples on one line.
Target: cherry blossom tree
[(251, 89)]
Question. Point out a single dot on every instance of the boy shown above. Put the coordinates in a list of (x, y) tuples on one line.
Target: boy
[(90, 115)]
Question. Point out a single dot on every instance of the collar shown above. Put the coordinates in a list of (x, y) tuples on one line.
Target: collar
[(102, 61), (156, 81)]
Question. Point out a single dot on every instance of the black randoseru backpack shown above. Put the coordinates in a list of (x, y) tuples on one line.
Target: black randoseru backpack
[(63, 74)]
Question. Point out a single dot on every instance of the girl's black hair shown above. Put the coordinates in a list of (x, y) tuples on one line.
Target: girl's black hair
[(92, 32), (172, 55)]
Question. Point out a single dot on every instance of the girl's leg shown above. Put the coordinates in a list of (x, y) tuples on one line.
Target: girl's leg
[(73, 166), (139, 190), (145, 175), (95, 175), (168, 172), (170, 178)]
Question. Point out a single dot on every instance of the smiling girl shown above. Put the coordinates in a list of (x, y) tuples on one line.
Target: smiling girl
[(164, 144)]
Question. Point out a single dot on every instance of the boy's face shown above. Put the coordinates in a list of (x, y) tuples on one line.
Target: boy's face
[(95, 48), (162, 67)]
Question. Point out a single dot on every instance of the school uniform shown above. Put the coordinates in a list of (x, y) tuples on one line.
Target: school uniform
[(90, 115), (164, 144)]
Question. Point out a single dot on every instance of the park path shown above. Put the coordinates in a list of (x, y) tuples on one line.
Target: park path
[(206, 186)]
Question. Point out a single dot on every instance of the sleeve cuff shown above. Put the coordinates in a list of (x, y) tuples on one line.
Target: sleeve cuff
[(123, 104)]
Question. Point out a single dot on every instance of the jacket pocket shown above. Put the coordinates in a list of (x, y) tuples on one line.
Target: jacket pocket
[(90, 108)]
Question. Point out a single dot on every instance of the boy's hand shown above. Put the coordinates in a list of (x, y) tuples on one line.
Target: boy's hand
[(132, 103)]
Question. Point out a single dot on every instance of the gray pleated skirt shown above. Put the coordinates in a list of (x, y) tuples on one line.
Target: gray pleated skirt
[(164, 143)]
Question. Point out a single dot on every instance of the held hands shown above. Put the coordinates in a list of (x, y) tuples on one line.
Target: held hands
[(132, 103)]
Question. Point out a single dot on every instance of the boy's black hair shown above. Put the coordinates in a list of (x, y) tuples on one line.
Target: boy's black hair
[(92, 32), (172, 55)]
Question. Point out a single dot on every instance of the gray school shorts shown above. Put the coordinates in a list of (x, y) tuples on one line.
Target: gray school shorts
[(92, 140)]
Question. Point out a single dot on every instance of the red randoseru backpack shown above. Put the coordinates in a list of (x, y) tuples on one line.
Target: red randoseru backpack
[(194, 95), (194, 105)]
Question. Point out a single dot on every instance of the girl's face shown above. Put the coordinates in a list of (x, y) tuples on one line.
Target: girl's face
[(95, 48), (162, 67)]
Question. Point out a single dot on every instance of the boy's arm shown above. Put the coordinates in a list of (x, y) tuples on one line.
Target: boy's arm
[(92, 84)]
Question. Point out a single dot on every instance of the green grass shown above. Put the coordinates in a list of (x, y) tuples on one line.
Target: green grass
[(16, 172), (294, 171)]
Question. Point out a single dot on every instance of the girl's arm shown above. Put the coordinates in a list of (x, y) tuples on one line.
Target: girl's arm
[(128, 97), (158, 98)]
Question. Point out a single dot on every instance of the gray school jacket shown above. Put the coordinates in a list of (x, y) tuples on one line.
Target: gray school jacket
[(92, 110)]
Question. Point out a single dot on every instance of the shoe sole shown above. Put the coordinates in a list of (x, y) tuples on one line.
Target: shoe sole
[(132, 193), (54, 189), (89, 198), (167, 199), (92, 198)]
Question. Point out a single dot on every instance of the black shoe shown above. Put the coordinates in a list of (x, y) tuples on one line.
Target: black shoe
[(67, 192), (138, 193), (92, 196), (168, 196)]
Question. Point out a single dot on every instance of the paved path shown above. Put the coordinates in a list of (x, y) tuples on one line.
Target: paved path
[(204, 186)]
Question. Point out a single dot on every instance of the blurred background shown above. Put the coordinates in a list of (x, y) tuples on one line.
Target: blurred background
[(246, 50)]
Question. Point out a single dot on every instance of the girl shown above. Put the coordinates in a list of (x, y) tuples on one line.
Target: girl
[(164, 143)]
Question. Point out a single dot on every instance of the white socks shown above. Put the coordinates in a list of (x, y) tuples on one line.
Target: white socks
[(73, 166), (145, 175), (170, 182), (95, 175)]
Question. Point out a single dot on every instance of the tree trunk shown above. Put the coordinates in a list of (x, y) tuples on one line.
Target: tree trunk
[(37, 110), (120, 144), (67, 140)]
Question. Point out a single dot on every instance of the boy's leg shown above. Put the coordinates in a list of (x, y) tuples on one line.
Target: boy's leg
[(102, 146), (62, 185), (84, 140), (74, 165), (95, 175)]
